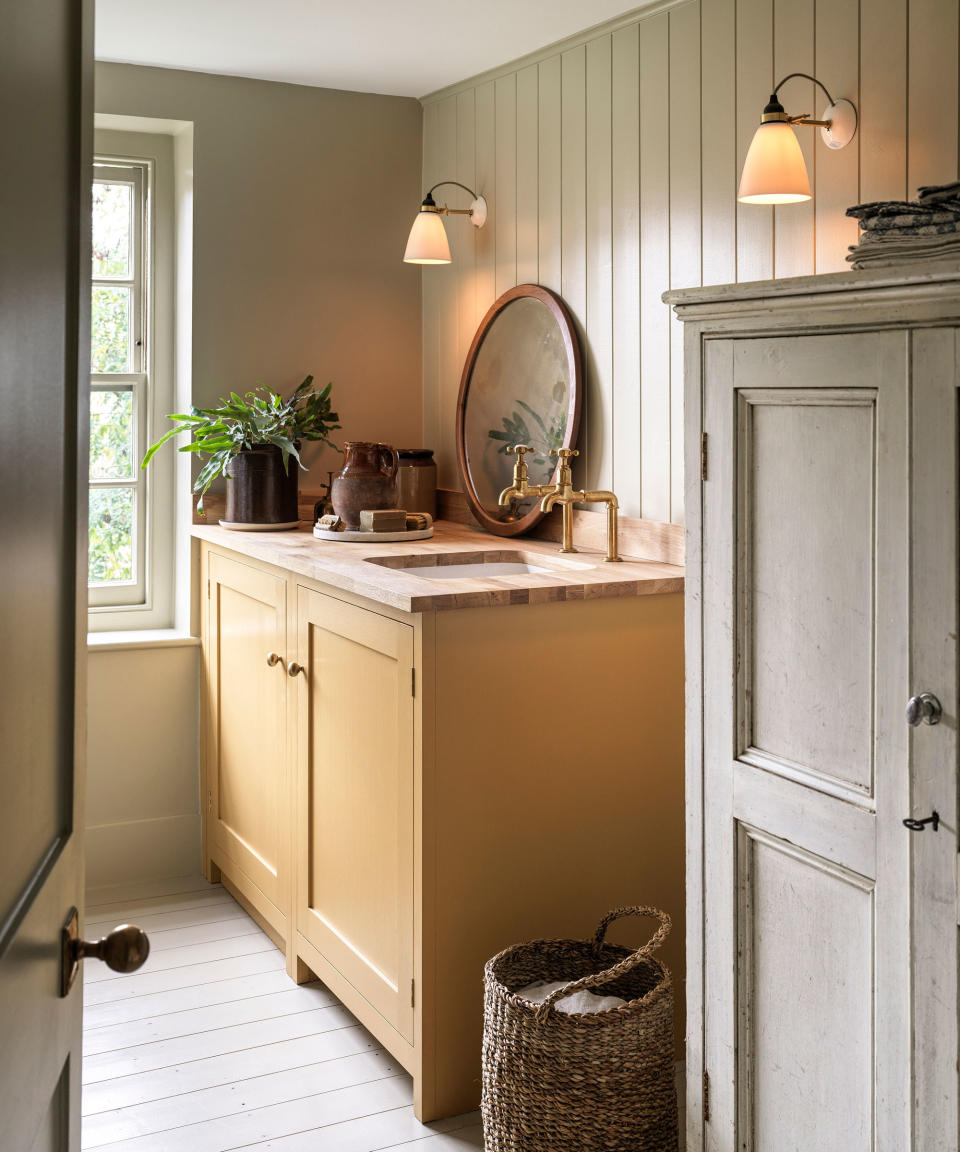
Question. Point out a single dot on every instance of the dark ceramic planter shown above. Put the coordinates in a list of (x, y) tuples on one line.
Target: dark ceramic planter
[(258, 489)]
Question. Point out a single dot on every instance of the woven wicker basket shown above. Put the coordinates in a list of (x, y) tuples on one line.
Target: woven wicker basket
[(596, 1082)]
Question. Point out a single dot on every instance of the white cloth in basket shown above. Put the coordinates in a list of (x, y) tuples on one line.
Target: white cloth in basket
[(577, 1003)]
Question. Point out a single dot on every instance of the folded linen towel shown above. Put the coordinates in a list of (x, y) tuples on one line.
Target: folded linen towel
[(905, 251), (939, 191), (579, 1003)]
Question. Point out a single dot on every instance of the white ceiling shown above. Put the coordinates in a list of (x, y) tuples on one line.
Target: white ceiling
[(399, 47)]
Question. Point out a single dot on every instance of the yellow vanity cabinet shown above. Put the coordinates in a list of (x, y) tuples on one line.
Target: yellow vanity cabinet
[(246, 825), (354, 806), (414, 789)]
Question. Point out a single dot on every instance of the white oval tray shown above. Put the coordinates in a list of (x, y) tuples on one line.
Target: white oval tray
[(358, 536)]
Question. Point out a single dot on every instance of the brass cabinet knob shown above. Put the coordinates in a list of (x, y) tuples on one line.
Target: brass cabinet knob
[(293, 668), (125, 949), (274, 658)]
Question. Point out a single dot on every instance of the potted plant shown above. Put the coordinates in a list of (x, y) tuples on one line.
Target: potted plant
[(250, 440)]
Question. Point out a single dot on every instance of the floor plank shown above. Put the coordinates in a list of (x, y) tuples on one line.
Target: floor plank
[(151, 920), (211, 1048), (192, 975), (191, 1108), (243, 944), (218, 1042), (180, 999), (290, 1001)]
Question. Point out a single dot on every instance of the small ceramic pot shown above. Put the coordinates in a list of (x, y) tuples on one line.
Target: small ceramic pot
[(368, 480)]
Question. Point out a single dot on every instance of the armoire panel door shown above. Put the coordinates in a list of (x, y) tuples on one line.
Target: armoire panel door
[(808, 760), (355, 755), (248, 769)]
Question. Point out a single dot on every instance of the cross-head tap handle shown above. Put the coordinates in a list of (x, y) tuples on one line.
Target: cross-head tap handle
[(519, 449)]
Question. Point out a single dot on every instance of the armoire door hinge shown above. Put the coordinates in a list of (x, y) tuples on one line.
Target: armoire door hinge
[(208, 589), (706, 1096), (413, 993), (703, 456), (413, 681)]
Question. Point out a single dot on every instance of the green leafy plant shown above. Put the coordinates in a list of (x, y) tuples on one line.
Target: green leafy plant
[(254, 420)]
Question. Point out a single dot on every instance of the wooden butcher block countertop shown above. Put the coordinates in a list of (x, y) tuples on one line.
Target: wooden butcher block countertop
[(387, 580)]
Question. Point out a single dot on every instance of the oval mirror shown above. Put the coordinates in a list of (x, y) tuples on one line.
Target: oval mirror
[(521, 384)]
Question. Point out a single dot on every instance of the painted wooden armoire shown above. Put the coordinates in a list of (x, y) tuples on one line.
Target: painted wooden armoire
[(821, 635)]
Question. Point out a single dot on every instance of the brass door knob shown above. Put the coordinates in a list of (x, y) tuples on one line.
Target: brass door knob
[(293, 668), (125, 949)]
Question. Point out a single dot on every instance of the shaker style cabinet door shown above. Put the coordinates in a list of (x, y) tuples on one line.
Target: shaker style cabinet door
[(355, 751), (829, 599), (247, 764)]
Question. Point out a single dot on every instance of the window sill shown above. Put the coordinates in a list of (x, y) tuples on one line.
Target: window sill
[(145, 638)]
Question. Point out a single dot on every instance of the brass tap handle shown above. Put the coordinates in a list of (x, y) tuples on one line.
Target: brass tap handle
[(519, 450), (564, 453)]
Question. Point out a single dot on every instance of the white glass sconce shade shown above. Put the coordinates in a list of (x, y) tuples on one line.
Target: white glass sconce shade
[(427, 242), (774, 171)]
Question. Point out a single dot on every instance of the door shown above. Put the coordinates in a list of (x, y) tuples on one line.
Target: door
[(355, 794), (829, 598), (46, 123), (248, 801)]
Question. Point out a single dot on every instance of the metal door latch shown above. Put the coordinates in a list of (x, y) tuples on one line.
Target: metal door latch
[(918, 825)]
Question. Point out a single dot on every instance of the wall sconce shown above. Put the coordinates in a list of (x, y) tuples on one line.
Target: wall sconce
[(427, 242), (774, 171)]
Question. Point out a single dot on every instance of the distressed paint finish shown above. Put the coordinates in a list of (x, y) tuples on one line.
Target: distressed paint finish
[(674, 122)]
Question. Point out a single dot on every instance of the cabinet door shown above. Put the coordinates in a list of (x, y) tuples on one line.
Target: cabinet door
[(829, 550), (355, 799), (247, 770)]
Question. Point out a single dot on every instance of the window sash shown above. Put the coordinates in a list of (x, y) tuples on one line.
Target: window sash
[(137, 175)]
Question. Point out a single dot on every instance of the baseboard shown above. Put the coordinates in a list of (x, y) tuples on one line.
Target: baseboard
[(141, 851)]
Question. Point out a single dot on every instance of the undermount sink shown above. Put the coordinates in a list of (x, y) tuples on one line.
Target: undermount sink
[(466, 571), (476, 565)]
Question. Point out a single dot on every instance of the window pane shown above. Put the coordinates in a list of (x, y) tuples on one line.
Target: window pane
[(111, 230), (111, 535), (110, 329), (111, 434)]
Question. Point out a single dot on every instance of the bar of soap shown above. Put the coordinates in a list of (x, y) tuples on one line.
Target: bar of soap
[(383, 520)]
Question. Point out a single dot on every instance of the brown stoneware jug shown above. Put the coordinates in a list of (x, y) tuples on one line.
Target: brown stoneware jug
[(368, 480)]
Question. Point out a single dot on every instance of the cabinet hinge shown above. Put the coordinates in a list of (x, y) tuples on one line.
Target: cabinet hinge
[(703, 456), (706, 1096), (413, 993), (413, 681), (208, 589)]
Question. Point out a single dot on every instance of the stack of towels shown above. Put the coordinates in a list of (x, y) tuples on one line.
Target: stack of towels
[(903, 231)]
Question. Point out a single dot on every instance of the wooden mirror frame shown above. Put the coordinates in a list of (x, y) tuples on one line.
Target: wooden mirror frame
[(571, 344)]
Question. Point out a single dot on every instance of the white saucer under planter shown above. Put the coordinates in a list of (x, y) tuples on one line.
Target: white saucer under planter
[(242, 526)]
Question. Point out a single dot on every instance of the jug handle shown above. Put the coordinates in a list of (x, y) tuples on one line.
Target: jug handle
[(391, 458)]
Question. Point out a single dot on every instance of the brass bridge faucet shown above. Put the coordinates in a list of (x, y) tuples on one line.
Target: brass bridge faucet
[(564, 494)]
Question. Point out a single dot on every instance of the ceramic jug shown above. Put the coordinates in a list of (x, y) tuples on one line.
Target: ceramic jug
[(368, 480)]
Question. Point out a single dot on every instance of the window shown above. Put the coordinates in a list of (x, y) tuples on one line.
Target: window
[(133, 541), (119, 356)]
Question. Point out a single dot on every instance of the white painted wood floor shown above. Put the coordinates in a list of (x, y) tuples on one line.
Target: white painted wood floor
[(210, 1047)]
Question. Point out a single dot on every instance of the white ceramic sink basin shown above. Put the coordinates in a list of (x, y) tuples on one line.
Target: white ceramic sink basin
[(470, 571)]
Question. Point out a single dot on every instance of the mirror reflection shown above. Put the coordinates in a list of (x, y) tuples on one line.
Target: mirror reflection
[(520, 387)]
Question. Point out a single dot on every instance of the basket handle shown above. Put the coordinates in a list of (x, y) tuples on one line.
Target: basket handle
[(619, 969)]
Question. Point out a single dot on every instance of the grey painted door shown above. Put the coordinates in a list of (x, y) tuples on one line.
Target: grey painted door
[(829, 598), (46, 122)]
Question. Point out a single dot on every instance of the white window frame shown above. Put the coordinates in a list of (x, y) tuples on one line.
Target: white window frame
[(147, 602), (138, 176)]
